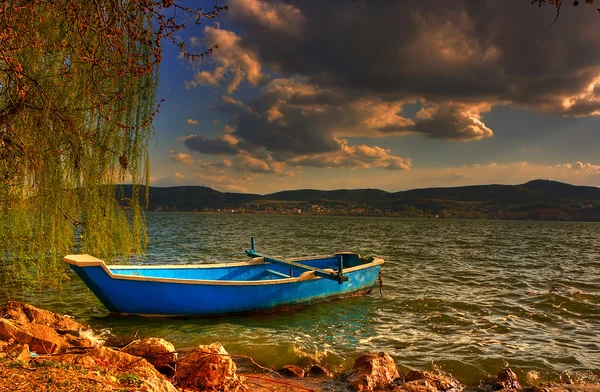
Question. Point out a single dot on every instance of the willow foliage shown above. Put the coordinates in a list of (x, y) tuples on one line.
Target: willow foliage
[(77, 99)]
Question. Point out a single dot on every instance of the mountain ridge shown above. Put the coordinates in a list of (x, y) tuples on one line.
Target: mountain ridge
[(536, 199)]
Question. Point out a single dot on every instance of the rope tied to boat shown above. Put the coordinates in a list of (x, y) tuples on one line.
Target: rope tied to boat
[(380, 281)]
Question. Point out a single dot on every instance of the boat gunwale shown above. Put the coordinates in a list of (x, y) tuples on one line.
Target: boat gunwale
[(305, 276)]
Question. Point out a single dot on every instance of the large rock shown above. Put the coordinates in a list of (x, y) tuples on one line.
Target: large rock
[(27, 314), (207, 368), (157, 351), (45, 332), (372, 371), (40, 338)]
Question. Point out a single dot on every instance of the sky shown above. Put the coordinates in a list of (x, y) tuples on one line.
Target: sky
[(385, 94)]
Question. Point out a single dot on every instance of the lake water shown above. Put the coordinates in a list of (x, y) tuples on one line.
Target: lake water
[(463, 296)]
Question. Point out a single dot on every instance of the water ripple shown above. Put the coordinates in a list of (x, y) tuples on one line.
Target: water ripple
[(462, 296)]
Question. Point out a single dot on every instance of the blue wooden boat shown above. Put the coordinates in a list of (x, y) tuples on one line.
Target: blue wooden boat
[(262, 284)]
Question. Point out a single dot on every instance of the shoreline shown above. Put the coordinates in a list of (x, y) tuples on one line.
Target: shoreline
[(74, 359), (386, 216)]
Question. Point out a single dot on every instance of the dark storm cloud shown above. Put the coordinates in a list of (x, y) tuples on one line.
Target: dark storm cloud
[(291, 117), (326, 72), (282, 127), (301, 134), (207, 145), (439, 51), (452, 121)]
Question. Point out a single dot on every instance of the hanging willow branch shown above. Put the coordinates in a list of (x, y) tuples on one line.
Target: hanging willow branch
[(558, 4), (77, 99)]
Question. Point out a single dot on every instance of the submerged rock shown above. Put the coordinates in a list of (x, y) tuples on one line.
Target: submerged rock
[(372, 371), (157, 351), (420, 381), (292, 371), (207, 368), (319, 370), (507, 379)]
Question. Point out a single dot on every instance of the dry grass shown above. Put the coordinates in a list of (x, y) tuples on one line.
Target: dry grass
[(56, 376)]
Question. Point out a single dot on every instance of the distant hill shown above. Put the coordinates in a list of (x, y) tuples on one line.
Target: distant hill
[(356, 195), (537, 199), (560, 189)]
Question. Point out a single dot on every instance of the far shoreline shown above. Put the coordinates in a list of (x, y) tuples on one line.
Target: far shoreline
[(399, 217)]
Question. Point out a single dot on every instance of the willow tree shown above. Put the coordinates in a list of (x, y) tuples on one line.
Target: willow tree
[(558, 4), (77, 98)]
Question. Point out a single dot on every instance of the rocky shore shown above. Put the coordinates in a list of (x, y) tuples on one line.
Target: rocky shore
[(44, 351)]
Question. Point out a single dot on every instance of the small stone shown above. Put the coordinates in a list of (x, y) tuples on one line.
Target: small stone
[(292, 371), (535, 388), (415, 375), (155, 384), (19, 352), (319, 370), (507, 379), (417, 380)]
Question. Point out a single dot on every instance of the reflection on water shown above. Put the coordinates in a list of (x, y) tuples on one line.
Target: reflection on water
[(463, 296)]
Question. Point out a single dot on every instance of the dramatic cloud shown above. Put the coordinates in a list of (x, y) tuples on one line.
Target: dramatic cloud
[(285, 18), (437, 51), (302, 123), (354, 157), (182, 158), (453, 121), (232, 63), (267, 165), (230, 105), (587, 102), (223, 145), (191, 121), (327, 84)]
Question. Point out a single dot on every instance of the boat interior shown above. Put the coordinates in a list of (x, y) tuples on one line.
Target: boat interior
[(253, 270)]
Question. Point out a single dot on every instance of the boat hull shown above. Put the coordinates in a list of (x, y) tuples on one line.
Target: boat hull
[(160, 291)]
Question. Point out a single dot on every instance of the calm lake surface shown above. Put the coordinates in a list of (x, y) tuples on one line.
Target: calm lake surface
[(462, 296)]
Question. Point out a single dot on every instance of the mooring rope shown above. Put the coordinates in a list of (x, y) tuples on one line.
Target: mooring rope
[(380, 281)]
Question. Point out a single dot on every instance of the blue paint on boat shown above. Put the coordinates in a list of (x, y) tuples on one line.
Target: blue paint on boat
[(217, 289)]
